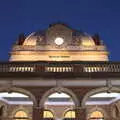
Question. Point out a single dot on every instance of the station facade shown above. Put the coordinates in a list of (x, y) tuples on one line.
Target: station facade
[(59, 73)]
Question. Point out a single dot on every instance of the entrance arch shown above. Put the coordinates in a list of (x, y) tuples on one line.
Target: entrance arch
[(98, 90), (19, 90), (59, 90)]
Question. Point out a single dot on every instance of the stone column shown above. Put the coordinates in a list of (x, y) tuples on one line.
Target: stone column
[(37, 113), (81, 113)]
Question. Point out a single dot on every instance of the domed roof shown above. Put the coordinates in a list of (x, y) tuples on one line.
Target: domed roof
[(30, 40), (87, 41), (59, 42), (34, 38)]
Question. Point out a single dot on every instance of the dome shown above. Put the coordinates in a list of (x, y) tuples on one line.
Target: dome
[(59, 42), (30, 40), (87, 41)]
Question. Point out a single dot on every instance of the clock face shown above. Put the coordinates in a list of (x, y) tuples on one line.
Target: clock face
[(59, 41)]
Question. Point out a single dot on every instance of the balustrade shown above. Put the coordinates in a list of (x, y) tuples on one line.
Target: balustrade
[(86, 67)]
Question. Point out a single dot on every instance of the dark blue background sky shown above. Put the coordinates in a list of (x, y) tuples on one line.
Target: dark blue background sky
[(91, 16)]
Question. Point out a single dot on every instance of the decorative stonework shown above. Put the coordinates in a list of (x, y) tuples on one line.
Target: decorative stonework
[(60, 39)]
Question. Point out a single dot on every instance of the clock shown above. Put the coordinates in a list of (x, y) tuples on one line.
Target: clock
[(59, 41)]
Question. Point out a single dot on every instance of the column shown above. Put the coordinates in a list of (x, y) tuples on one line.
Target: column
[(37, 113), (81, 113), (37, 110)]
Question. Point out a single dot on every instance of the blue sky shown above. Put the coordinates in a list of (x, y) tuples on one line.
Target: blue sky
[(91, 16)]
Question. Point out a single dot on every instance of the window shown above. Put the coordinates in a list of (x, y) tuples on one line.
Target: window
[(21, 115), (96, 115), (69, 114), (47, 114)]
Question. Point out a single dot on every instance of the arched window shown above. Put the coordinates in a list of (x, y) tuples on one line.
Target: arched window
[(96, 115), (20, 115), (48, 114), (69, 114)]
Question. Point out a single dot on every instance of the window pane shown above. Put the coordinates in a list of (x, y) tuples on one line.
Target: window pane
[(70, 114), (47, 114), (96, 115), (21, 115)]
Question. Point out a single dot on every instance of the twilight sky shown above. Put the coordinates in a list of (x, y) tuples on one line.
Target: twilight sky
[(91, 16)]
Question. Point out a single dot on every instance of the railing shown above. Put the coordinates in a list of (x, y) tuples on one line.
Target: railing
[(59, 67)]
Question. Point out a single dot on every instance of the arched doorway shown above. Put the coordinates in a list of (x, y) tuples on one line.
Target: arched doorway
[(59, 101), (101, 103), (16, 103)]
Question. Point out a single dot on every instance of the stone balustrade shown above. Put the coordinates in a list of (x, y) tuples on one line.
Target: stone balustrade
[(86, 67)]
